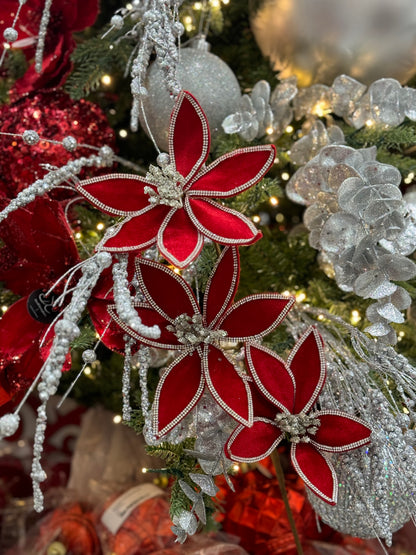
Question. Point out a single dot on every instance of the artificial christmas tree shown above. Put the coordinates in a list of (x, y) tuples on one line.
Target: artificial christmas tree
[(230, 326)]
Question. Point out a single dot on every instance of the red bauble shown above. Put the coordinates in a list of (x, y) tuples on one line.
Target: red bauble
[(52, 115)]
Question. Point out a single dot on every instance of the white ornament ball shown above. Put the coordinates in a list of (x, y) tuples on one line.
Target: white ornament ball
[(317, 40), (205, 76), (9, 424)]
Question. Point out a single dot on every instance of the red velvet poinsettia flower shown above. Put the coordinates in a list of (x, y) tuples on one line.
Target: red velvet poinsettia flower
[(39, 248), (201, 336), (173, 205), (66, 17), (290, 390)]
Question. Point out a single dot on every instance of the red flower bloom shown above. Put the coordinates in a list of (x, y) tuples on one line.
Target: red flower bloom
[(173, 205), (290, 390), (200, 337), (38, 249), (67, 17)]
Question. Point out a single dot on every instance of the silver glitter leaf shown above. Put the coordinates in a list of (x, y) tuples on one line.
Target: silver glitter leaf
[(390, 313), (206, 483), (340, 231), (374, 285), (180, 534), (385, 100), (189, 492), (398, 268), (187, 521)]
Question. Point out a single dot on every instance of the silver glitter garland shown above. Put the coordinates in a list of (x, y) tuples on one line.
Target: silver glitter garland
[(65, 330), (377, 482), (126, 412), (40, 46), (124, 302), (56, 177)]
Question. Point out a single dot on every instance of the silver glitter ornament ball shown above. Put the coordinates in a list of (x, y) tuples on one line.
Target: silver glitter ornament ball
[(205, 76), (321, 39)]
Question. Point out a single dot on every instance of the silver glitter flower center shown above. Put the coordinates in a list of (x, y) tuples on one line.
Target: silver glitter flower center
[(298, 426), (190, 330), (169, 186)]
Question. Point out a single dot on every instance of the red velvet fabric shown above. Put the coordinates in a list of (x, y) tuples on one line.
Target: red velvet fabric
[(184, 378), (271, 376), (255, 315), (177, 230), (308, 366), (179, 240), (227, 387), (339, 431), (221, 224), (169, 296), (164, 290), (138, 232), (189, 138), (280, 384), (222, 178), (315, 470), (122, 193), (255, 443), (221, 286)]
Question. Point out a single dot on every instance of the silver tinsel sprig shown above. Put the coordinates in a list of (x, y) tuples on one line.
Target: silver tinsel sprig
[(262, 112), (55, 177), (356, 216), (156, 30), (377, 482)]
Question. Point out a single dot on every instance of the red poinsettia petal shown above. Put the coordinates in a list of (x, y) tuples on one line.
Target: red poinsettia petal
[(339, 432), (18, 330), (111, 334), (166, 292), (316, 471), (255, 443), (307, 363), (234, 172), (86, 14), (272, 376), (138, 232), (149, 318), (178, 391), (178, 239), (189, 137), (227, 387), (117, 194), (4, 397), (221, 224), (222, 286), (255, 316), (262, 407)]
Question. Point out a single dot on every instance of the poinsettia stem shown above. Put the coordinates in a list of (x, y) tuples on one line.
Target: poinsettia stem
[(218, 249), (281, 481)]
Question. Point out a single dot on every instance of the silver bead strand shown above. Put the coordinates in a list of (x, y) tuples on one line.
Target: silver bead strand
[(46, 14), (10, 34), (54, 178), (65, 331), (129, 342), (143, 359), (124, 302)]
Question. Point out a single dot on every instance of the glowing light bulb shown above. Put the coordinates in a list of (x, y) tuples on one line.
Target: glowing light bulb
[(289, 129), (100, 226), (87, 370), (269, 130), (117, 419), (285, 176), (274, 201), (256, 219), (300, 297), (106, 80), (4, 308), (123, 133), (198, 6), (355, 317)]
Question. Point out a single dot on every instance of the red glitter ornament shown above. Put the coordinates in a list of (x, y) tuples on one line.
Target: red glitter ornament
[(52, 115)]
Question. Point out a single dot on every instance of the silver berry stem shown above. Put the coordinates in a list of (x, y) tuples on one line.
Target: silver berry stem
[(66, 330), (129, 342), (42, 35), (124, 303), (55, 177)]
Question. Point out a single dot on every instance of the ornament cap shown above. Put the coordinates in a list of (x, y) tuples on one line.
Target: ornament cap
[(200, 43)]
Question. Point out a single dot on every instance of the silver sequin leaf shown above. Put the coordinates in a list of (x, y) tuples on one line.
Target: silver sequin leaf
[(187, 522), (206, 483), (390, 313), (386, 102), (398, 268), (374, 284), (180, 534), (189, 492), (340, 232)]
